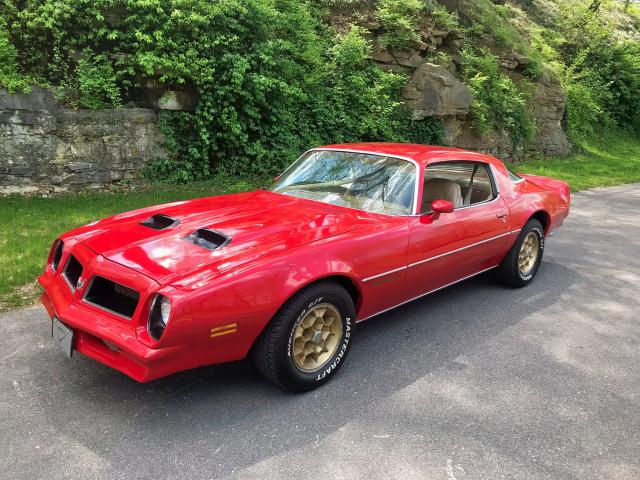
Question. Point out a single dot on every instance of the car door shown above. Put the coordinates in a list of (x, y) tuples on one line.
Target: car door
[(448, 247)]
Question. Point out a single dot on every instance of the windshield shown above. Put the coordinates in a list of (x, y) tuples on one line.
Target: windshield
[(373, 183)]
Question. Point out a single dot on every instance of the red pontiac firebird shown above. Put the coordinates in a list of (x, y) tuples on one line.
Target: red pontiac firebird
[(285, 273)]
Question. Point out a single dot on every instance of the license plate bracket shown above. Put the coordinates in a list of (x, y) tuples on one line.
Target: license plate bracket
[(63, 336)]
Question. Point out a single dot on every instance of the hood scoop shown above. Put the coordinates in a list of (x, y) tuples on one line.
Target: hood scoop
[(209, 239), (160, 221)]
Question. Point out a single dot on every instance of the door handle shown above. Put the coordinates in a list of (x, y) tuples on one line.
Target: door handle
[(501, 215)]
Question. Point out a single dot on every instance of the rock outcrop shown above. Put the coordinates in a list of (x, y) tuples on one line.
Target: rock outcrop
[(46, 147), (549, 104), (433, 91)]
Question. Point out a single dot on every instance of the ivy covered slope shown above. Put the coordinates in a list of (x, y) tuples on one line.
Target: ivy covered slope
[(274, 77)]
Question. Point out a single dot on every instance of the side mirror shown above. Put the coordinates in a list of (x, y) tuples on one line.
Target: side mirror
[(437, 207), (441, 206)]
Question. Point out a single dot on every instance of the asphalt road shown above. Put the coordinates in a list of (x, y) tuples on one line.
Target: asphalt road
[(473, 382)]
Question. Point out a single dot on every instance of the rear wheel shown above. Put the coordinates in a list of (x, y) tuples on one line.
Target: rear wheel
[(308, 339), (522, 262)]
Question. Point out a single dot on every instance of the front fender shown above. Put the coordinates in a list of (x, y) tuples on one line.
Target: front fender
[(228, 317), (241, 303)]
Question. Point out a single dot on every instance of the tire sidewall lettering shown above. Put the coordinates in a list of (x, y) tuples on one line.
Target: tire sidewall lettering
[(340, 354)]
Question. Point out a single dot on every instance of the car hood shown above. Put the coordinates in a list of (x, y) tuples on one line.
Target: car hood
[(257, 223)]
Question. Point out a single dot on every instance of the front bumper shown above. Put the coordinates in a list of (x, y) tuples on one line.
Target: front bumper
[(107, 339)]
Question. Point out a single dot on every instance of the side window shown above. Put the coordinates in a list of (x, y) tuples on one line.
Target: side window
[(461, 183)]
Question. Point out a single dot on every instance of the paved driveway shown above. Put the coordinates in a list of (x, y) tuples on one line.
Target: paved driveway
[(476, 381)]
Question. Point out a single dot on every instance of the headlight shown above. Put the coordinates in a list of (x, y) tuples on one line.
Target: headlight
[(159, 316), (165, 309)]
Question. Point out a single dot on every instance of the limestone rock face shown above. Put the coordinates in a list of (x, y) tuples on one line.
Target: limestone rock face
[(38, 100), (46, 147), (434, 91), (178, 100), (460, 132), (549, 104), (514, 61)]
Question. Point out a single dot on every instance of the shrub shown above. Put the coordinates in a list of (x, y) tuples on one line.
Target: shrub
[(358, 100), (613, 72), (427, 132), (10, 76), (510, 29), (489, 18), (440, 15), (274, 77), (497, 102), (584, 110), (399, 20), (600, 69), (95, 83)]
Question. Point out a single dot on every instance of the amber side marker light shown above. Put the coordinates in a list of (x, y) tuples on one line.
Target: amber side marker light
[(224, 330)]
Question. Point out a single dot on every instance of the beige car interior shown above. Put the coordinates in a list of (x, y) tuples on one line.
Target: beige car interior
[(440, 189), (453, 182)]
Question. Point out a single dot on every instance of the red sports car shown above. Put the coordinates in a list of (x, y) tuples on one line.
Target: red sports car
[(285, 273)]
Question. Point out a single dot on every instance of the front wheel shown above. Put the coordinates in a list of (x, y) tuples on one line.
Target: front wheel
[(522, 262), (308, 339)]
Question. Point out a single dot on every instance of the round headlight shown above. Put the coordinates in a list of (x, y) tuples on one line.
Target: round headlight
[(158, 316), (165, 309)]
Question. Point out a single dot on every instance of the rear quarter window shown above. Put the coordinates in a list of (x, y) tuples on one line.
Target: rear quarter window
[(514, 178)]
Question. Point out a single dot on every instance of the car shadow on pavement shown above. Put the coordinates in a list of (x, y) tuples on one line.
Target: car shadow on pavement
[(226, 409)]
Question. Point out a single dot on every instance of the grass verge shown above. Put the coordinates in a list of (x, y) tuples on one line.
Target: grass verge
[(611, 159), (29, 225)]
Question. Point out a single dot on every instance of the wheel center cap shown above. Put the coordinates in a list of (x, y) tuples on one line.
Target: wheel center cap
[(317, 336)]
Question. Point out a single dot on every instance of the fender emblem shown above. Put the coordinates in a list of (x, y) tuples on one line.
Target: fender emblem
[(223, 330)]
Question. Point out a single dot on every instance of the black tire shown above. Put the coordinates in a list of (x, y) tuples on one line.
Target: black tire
[(509, 272), (272, 352)]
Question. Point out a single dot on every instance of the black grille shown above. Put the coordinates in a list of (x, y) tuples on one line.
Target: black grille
[(72, 271), (208, 239), (112, 296), (160, 222)]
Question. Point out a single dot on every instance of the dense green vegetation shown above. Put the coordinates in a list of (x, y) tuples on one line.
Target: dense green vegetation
[(275, 76), (498, 102), (272, 78), (594, 47)]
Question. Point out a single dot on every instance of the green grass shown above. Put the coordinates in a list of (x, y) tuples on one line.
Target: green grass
[(29, 225), (611, 159)]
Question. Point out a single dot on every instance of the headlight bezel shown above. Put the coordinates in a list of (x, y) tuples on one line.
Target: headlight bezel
[(159, 316)]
